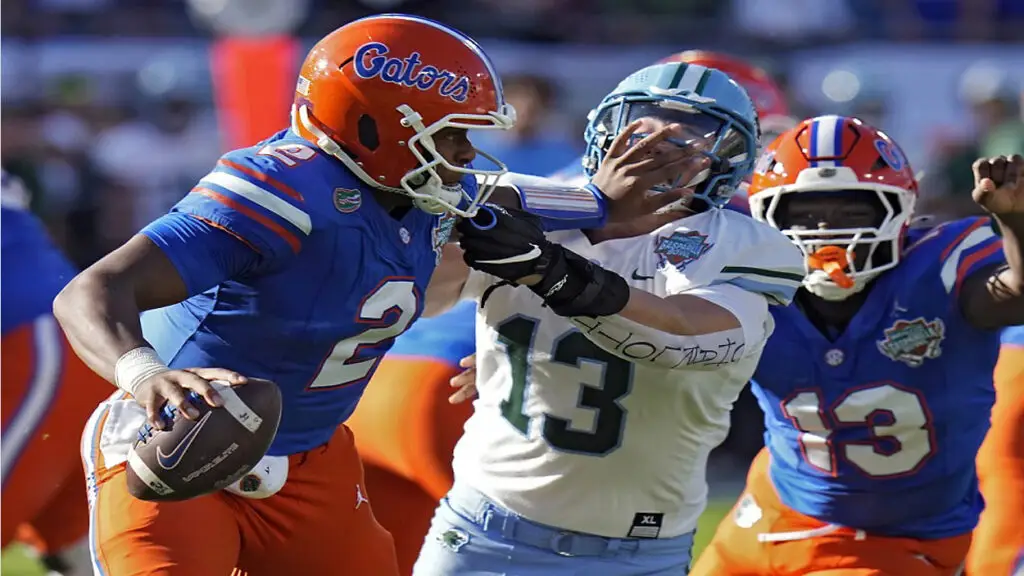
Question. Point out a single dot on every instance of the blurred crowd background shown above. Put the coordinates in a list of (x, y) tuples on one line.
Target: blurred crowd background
[(108, 106)]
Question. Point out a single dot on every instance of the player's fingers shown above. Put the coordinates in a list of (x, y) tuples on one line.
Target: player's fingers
[(463, 378), (468, 361), (682, 170), (229, 377), (1015, 170), (462, 394), (982, 169), (201, 386), (177, 397), (645, 146), (154, 414), (998, 170), (621, 142)]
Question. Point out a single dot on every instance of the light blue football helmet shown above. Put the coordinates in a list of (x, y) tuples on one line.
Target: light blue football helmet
[(709, 104)]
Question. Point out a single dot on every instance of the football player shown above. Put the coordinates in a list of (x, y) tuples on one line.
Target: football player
[(299, 260), (48, 394), (605, 383), (998, 544), (877, 384)]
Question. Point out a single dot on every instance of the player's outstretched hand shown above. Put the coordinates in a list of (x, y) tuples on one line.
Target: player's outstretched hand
[(173, 387), (464, 382), (999, 184), (628, 172)]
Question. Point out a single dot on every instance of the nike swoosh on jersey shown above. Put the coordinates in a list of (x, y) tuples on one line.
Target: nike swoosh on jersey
[(525, 257), (637, 276), (169, 461)]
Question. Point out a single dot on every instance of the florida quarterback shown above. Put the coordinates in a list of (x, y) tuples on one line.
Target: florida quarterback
[(877, 384), (603, 386), (298, 260)]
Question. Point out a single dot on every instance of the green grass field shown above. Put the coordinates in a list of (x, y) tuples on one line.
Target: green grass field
[(15, 562)]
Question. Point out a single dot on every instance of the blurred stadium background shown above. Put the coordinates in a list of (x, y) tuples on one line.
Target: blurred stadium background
[(112, 109)]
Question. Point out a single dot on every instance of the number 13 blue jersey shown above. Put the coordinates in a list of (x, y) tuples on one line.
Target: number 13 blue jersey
[(878, 429)]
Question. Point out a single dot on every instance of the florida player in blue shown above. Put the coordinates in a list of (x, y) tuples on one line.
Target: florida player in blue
[(877, 383), (298, 260), (48, 394)]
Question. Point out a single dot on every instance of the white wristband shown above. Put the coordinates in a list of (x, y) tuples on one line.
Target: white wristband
[(135, 366)]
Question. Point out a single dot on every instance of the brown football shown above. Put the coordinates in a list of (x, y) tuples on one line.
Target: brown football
[(196, 457)]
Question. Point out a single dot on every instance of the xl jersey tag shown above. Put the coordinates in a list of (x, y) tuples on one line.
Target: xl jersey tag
[(646, 525)]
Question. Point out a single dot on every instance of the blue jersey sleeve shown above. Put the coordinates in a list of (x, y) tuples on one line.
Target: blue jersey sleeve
[(967, 246), (204, 254), (250, 197)]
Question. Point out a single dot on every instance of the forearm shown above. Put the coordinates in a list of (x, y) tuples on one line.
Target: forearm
[(101, 320), (680, 331), (681, 314), (1012, 278), (559, 207)]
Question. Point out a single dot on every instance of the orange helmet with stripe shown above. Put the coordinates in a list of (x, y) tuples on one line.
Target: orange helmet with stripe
[(838, 155), (374, 92)]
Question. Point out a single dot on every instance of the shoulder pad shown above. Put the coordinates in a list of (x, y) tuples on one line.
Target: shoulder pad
[(730, 247), (956, 250)]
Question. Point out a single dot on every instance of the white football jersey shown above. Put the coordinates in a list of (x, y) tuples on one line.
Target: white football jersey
[(570, 435)]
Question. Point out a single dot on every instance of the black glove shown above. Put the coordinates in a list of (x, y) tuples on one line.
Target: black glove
[(511, 245)]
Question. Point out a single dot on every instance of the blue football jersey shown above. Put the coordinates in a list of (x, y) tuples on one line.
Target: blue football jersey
[(32, 268), (328, 279), (878, 428), (447, 337)]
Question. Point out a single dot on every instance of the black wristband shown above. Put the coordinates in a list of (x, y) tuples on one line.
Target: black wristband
[(574, 286)]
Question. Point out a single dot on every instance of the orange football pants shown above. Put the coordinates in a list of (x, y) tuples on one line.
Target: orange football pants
[(318, 524), (48, 394), (998, 546), (406, 431), (736, 551)]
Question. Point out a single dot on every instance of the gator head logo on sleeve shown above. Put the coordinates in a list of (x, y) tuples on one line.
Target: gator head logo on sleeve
[(681, 248), (913, 341)]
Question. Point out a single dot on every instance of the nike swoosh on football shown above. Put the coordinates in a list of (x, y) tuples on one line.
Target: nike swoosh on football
[(637, 276), (525, 257), (169, 461)]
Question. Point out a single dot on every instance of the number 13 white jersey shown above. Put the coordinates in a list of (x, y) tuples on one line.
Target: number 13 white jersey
[(570, 435)]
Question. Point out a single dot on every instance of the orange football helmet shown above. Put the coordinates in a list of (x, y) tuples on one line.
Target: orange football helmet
[(374, 92), (838, 154), (770, 101)]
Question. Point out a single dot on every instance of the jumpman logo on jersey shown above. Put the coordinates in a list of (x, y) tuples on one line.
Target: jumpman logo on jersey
[(359, 497)]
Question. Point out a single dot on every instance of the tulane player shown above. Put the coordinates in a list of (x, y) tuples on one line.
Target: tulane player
[(998, 545), (298, 260), (877, 383), (605, 384), (48, 393)]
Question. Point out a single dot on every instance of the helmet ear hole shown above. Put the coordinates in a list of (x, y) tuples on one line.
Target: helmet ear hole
[(367, 130)]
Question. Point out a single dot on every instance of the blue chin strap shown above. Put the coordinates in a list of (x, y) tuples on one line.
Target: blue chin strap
[(725, 174)]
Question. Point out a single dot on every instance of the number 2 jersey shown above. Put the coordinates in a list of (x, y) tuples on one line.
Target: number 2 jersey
[(878, 429), (295, 274), (567, 434)]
